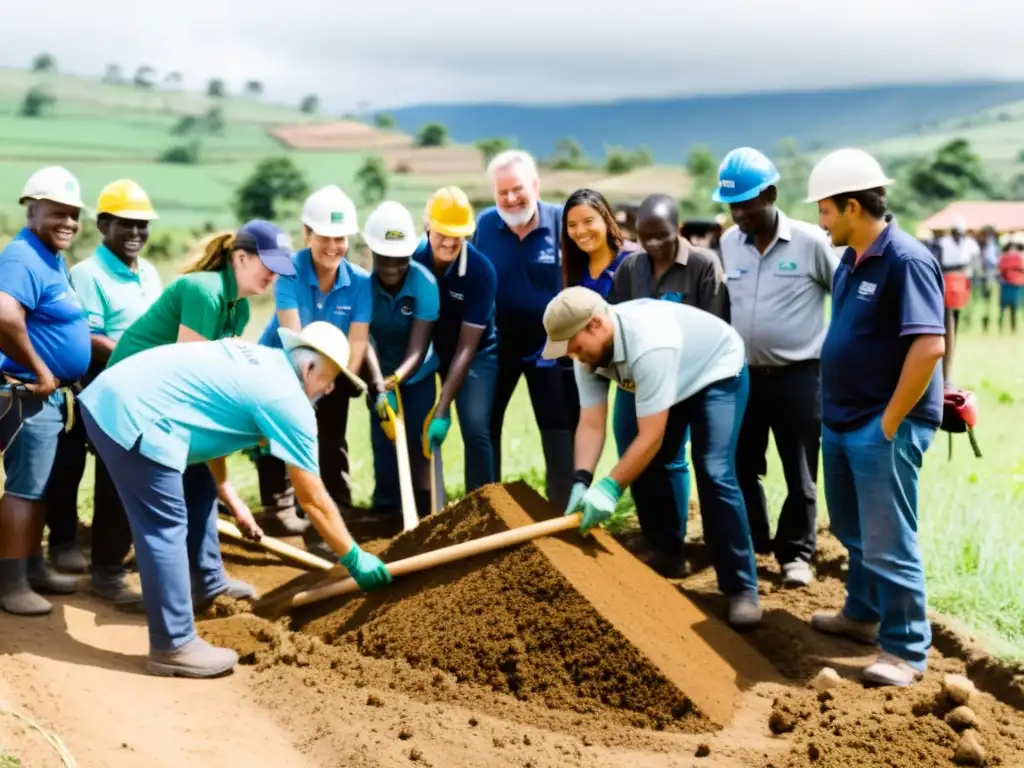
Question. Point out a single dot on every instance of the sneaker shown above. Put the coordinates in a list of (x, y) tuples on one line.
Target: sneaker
[(194, 659), (283, 522), (114, 588), (68, 559), (44, 579), (838, 624), (891, 670), (744, 612), (796, 574)]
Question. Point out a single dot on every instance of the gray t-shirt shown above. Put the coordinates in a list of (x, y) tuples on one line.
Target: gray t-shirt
[(664, 352)]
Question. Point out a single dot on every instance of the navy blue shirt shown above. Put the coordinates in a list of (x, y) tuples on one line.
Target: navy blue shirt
[(879, 307), (391, 323), (529, 273), (467, 289)]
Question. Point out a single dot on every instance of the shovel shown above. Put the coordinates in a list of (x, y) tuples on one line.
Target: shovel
[(339, 584), (279, 548), (409, 516)]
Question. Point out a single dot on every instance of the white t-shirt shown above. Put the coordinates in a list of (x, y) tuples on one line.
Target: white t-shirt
[(959, 257)]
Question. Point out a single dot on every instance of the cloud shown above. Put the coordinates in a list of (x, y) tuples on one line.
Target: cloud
[(392, 52)]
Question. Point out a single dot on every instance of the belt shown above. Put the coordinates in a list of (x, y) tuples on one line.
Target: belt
[(775, 370), (14, 391)]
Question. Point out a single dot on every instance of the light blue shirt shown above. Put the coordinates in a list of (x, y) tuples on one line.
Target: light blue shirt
[(664, 352), (348, 301), (112, 295), (417, 299), (189, 403)]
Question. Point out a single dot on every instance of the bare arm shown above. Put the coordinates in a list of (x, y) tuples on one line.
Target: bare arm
[(469, 340), (645, 446), (102, 347), (918, 367), (419, 340), (321, 510), (590, 436), (16, 345), (289, 318), (358, 342), (186, 334), (373, 366)]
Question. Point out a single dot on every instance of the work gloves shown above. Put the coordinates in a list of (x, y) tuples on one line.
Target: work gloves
[(596, 502), (389, 399), (368, 570), (435, 430), (580, 483)]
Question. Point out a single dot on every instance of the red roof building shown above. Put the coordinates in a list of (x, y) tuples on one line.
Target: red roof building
[(1001, 216)]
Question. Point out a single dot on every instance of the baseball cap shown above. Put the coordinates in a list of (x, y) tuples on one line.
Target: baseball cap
[(390, 231), (566, 315), (270, 243)]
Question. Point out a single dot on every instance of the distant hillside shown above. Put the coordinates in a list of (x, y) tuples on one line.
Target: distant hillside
[(670, 127)]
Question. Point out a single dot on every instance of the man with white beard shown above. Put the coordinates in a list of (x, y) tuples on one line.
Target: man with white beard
[(520, 236)]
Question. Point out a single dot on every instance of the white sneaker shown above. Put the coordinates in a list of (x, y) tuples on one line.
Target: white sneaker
[(891, 670), (796, 574)]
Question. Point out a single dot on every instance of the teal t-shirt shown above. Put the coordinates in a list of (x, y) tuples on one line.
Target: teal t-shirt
[(112, 295), (391, 322), (189, 403)]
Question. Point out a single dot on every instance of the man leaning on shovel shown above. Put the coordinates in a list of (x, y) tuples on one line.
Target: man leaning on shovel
[(165, 408)]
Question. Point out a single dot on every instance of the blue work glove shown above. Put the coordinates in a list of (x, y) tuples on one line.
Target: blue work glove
[(390, 398), (580, 483), (368, 570), (599, 503)]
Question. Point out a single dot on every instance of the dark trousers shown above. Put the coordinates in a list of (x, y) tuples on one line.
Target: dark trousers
[(276, 493), (787, 401)]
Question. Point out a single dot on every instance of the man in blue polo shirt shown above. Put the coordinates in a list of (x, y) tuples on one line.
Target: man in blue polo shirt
[(44, 342), (881, 404), (329, 287), (520, 235), (464, 336)]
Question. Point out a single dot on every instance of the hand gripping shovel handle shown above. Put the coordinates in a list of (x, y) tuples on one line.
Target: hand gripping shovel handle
[(279, 548)]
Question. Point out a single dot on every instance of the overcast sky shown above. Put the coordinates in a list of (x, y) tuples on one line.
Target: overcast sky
[(396, 52)]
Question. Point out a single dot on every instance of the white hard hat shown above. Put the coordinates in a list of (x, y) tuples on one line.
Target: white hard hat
[(845, 170), (390, 231), (53, 183), (327, 339), (959, 225), (330, 212)]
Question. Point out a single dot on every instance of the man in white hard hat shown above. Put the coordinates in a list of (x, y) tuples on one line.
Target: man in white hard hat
[(163, 409), (328, 287), (959, 253), (44, 349), (881, 405)]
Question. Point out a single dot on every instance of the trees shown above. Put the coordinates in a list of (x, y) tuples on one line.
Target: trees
[(182, 154), (254, 88), (216, 89), (310, 104), (274, 181), (491, 147), (432, 135), (213, 121), (703, 169), (373, 179), (44, 62), (186, 125), (113, 75), (38, 100), (144, 77), (173, 80), (621, 160), (569, 156), (384, 121)]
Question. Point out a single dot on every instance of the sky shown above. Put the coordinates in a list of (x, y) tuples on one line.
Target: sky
[(374, 54)]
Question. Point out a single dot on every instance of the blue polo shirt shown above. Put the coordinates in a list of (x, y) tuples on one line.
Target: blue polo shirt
[(392, 319), (602, 284), (529, 275), (349, 300), (879, 306), (467, 290), (38, 279)]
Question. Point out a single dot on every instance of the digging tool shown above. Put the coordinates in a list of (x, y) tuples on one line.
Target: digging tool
[(409, 516), (438, 496), (341, 585), (279, 548)]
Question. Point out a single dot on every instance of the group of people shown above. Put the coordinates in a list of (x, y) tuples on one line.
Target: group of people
[(717, 350)]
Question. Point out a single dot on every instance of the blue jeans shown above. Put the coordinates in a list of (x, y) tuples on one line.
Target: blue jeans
[(474, 403), (665, 524), (173, 517), (31, 450), (417, 400), (871, 488)]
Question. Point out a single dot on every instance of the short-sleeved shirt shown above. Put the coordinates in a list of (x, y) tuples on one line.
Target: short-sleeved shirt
[(1011, 268), (879, 306), (393, 316), (665, 352), (778, 297), (695, 279), (348, 301), (529, 273), (190, 403), (466, 290), (960, 255), (112, 294), (38, 279), (602, 284), (204, 302)]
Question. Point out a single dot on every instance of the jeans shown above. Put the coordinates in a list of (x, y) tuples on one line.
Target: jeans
[(664, 525), (871, 488), (474, 404), (62, 492), (30, 429), (417, 400), (173, 522)]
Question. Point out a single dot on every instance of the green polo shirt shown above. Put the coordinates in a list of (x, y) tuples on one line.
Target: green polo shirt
[(112, 294), (205, 302)]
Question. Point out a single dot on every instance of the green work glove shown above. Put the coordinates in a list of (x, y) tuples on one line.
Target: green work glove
[(390, 398), (599, 503), (435, 430), (368, 570), (581, 481)]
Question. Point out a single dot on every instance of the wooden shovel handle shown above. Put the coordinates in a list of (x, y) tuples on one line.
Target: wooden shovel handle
[(444, 556), (279, 548)]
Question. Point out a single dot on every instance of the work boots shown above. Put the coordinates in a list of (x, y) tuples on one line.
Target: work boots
[(16, 596), (68, 558), (110, 584), (196, 658), (283, 522), (44, 579), (838, 624)]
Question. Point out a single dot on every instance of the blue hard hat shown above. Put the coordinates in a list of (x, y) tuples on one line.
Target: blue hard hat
[(743, 175)]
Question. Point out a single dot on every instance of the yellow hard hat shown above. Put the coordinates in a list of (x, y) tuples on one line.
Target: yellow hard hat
[(450, 213), (126, 200)]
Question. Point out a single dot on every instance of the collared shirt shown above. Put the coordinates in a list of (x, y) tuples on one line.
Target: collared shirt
[(663, 351), (778, 297), (959, 256), (37, 278), (189, 403), (605, 281), (695, 279), (393, 317), (113, 295), (348, 301), (204, 302), (467, 289), (529, 273), (879, 306)]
